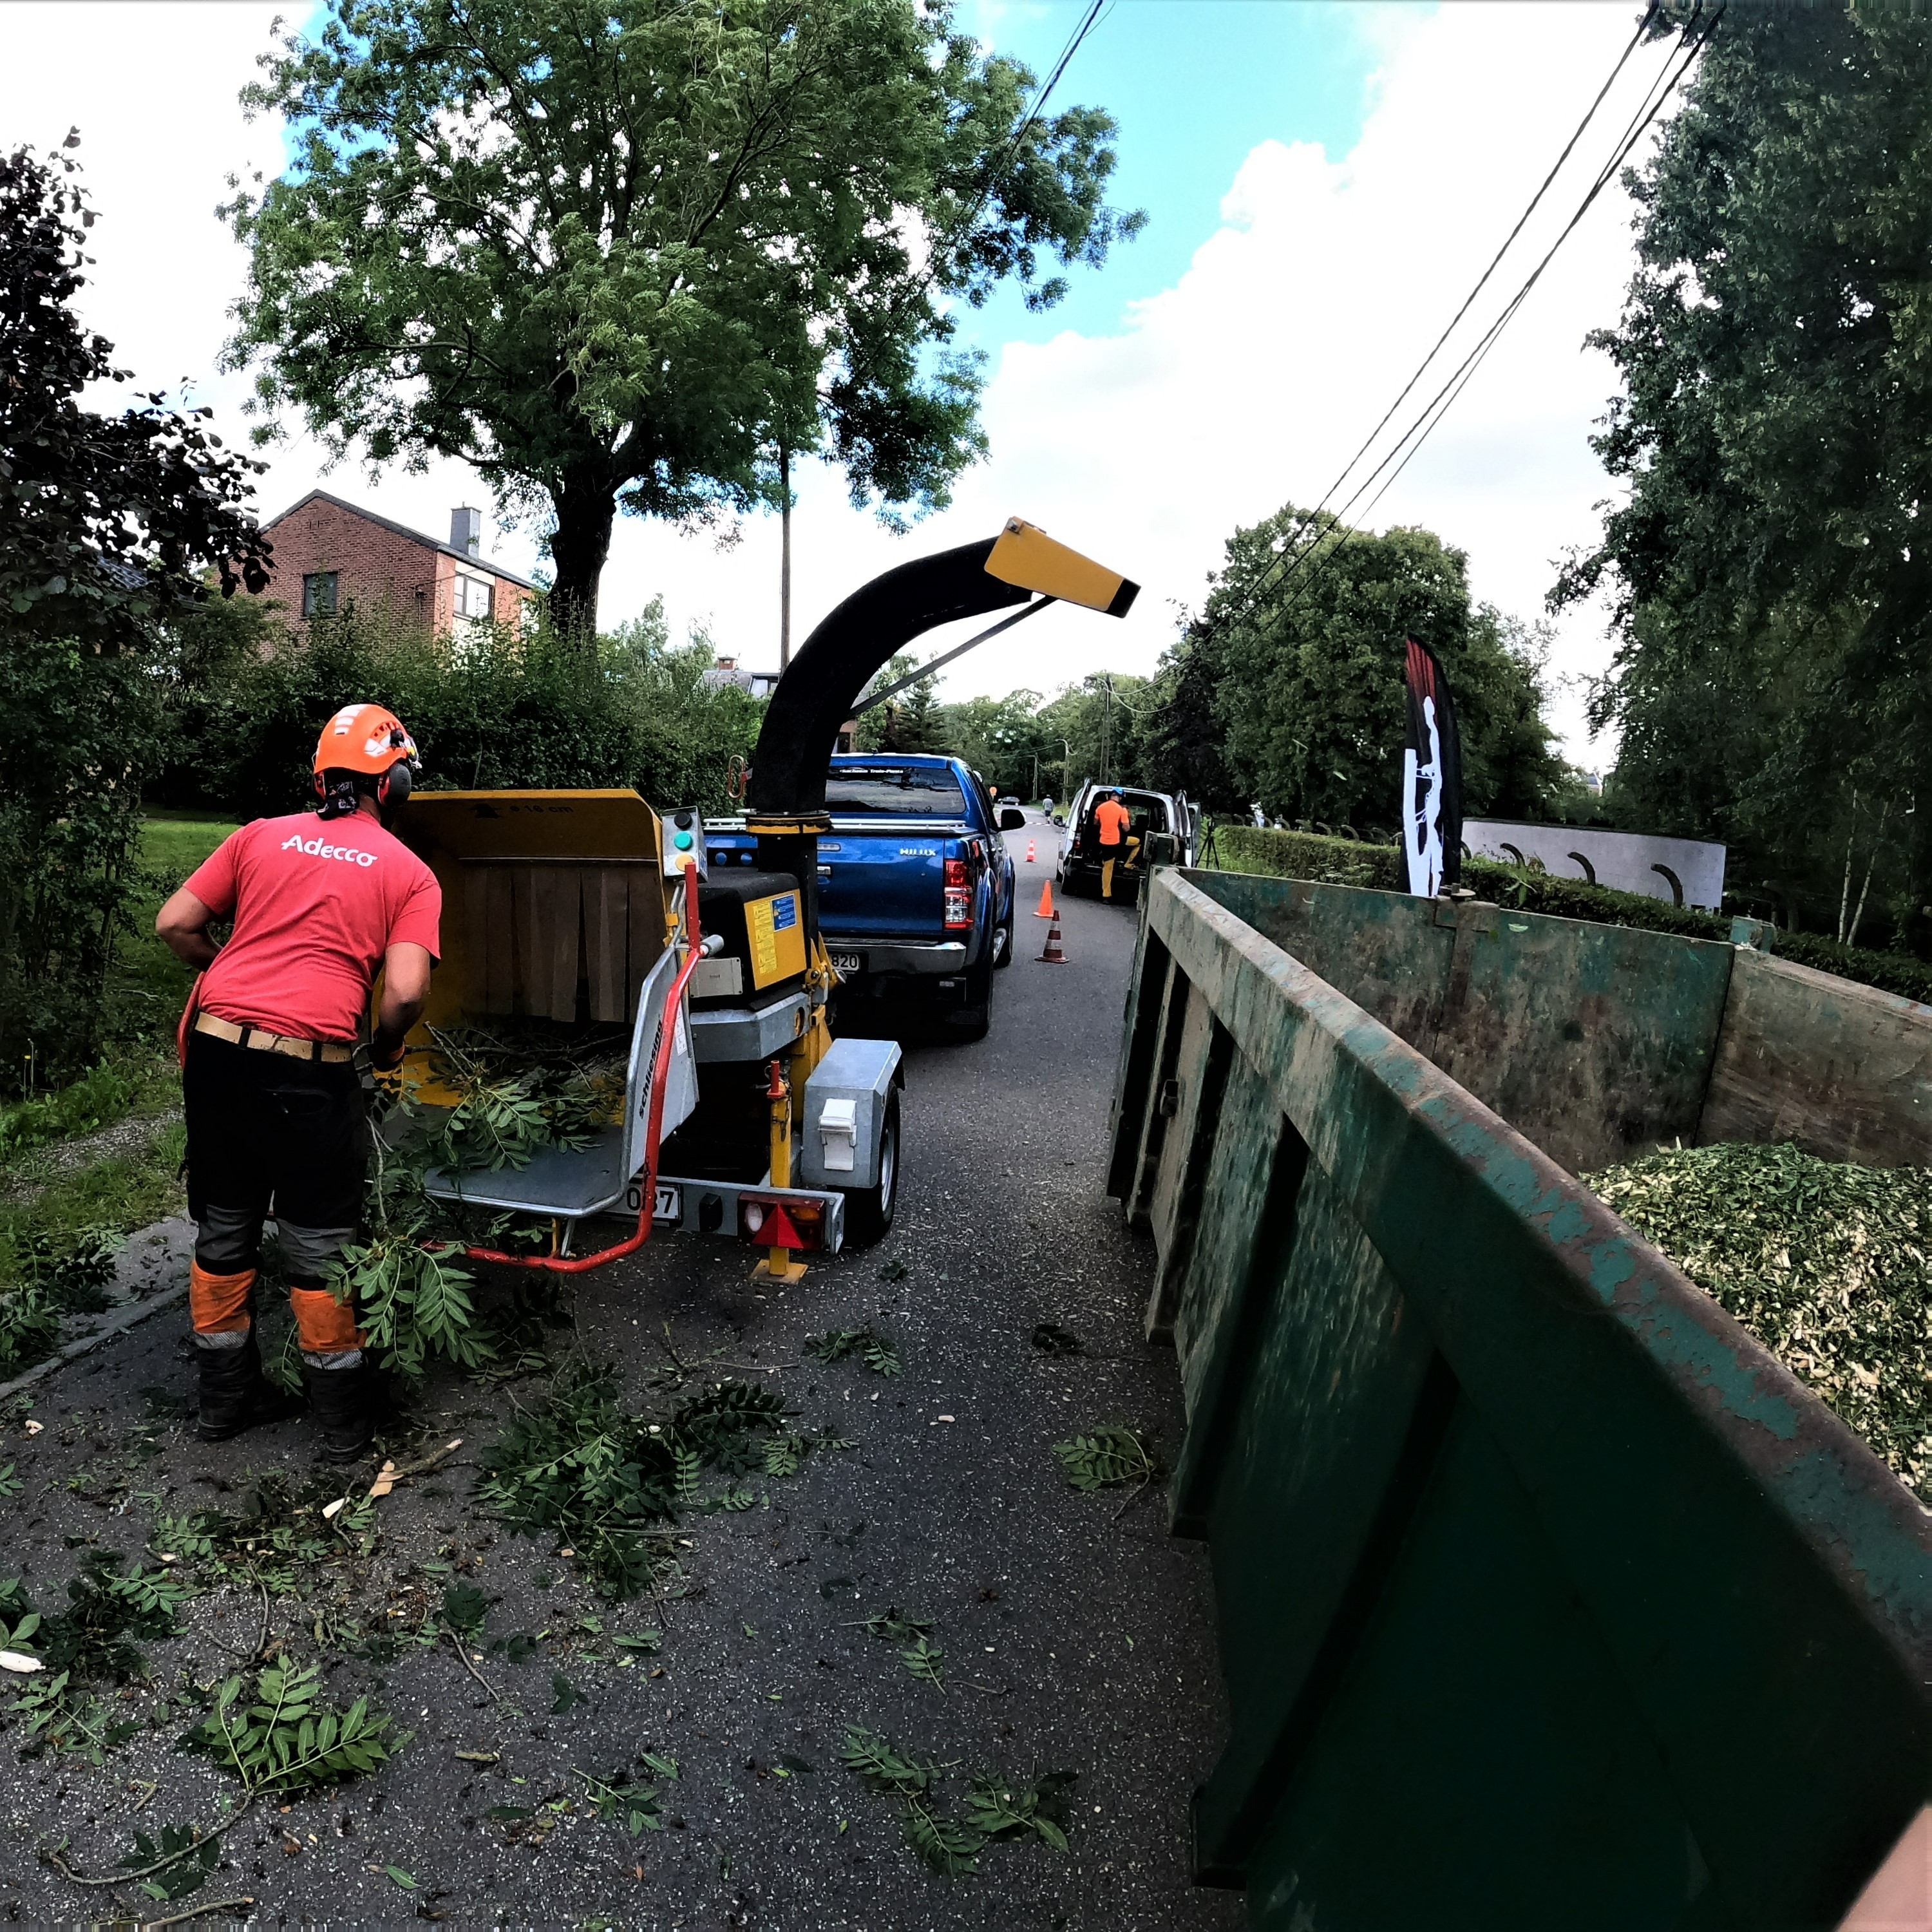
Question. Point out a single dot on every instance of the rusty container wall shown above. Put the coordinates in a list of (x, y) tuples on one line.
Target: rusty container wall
[(1596, 1041), (1547, 1597), (1844, 1071)]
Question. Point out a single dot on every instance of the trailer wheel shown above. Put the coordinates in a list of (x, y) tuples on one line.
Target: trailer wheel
[(868, 1211)]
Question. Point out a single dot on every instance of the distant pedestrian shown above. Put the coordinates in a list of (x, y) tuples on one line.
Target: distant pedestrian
[(1113, 818)]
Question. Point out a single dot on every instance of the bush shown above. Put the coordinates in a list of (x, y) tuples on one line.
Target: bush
[(495, 711), (69, 829), (1342, 862)]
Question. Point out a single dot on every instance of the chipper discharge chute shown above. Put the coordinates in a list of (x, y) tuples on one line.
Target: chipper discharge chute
[(741, 1115)]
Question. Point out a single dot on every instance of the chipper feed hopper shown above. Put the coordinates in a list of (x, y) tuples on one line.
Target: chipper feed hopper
[(742, 1115)]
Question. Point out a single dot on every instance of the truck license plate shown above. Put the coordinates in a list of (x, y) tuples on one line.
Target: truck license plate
[(667, 1205), (848, 963)]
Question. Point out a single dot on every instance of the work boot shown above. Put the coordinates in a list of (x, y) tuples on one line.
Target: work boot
[(340, 1400), (236, 1395)]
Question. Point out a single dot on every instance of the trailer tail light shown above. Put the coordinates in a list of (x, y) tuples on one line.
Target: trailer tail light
[(769, 1223), (958, 896)]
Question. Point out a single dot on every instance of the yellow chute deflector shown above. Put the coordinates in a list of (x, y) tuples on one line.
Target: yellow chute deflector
[(1023, 554)]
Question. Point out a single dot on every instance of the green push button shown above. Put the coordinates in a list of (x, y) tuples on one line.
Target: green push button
[(682, 842)]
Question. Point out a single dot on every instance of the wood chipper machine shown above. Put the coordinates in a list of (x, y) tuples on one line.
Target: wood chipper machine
[(741, 1116)]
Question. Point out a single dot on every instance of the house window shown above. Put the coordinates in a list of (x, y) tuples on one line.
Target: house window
[(472, 596), (318, 594)]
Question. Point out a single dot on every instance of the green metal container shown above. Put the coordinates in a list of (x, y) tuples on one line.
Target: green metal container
[(1548, 1598)]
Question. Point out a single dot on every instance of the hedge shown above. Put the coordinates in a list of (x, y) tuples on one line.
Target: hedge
[(1342, 862)]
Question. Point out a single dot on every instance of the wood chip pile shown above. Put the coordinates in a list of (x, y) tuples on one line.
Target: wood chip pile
[(1828, 1265)]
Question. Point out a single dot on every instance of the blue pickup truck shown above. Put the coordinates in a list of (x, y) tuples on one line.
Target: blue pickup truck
[(915, 882)]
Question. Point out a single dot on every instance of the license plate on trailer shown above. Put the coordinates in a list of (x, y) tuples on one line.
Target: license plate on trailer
[(848, 962), (668, 1206)]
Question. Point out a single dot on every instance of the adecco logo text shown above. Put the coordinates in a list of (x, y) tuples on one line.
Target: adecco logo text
[(316, 849)]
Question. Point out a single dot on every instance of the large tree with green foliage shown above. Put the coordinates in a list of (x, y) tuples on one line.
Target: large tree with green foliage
[(110, 524), (1772, 581), (1303, 676), (622, 255)]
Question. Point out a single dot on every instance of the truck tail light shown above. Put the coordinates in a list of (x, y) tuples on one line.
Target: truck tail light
[(781, 1223), (958, 895)]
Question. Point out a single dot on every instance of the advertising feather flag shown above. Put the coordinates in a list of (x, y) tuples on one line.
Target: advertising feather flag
[(1432, 777)]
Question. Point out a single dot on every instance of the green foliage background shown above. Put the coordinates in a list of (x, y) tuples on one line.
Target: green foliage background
[(492, 710), (624, 255), (1769, 576)]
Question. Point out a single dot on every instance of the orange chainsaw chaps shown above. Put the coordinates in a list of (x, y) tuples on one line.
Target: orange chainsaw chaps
[(219, 1302), (323, 1326)]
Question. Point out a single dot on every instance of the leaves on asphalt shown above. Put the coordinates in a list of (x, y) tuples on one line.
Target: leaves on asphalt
[(998, 1806), (1106, 1457), (878, 1352)]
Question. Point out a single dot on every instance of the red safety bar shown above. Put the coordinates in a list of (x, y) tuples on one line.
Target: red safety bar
[(660, 1072)]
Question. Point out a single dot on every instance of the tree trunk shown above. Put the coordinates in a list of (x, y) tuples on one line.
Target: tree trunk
[(586, 506)]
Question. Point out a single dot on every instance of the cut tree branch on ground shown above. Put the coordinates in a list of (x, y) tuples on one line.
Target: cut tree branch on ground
[(194, 1912), (462, 1657), (215, 1831)]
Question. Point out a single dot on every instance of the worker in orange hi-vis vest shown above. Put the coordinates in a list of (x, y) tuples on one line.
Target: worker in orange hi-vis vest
[(271, 1042), (1112, 817)]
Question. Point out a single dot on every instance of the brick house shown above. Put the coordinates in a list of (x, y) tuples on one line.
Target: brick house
[(330, 555)]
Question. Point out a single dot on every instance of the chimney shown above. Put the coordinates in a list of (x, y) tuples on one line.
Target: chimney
[(465, 532)]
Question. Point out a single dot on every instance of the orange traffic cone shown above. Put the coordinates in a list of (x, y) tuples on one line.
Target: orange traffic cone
[(1052, 955), (1044, 909), (1029, 856)]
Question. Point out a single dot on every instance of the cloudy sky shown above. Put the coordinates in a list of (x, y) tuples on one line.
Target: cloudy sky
[(1323, 182)]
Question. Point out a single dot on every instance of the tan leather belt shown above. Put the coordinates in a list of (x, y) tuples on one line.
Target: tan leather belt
[(335, 1051)]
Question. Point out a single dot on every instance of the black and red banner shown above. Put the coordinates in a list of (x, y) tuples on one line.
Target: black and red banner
[(1432, 777)]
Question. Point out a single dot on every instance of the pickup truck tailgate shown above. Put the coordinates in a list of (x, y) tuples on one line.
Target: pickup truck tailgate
[(886, 882)]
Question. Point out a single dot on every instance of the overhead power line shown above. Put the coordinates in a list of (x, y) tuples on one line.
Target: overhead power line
[(1033, 113), (1291, 560), (1656, 95)]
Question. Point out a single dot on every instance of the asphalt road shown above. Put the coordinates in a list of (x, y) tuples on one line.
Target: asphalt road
[(1078, 1634)]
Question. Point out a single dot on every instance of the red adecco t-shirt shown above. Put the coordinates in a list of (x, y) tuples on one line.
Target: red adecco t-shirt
[(316, 905)]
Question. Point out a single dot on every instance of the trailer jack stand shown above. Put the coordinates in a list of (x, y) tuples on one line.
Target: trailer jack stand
[(778, 1264)]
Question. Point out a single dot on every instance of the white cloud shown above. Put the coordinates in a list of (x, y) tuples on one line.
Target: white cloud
[(1245, 385), (1252, 380)]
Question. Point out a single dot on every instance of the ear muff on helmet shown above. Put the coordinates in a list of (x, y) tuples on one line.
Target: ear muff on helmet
[(393, 789)]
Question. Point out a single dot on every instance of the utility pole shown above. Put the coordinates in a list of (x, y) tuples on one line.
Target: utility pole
[(1106, 727), (784, 558)]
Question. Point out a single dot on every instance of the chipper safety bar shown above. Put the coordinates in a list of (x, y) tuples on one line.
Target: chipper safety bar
[(582, 907)]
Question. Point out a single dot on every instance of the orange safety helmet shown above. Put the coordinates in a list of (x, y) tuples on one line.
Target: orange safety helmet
[(370, 740), (363, 738)]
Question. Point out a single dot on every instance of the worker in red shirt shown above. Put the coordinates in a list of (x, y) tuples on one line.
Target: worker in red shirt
[(320, 901), (1113, 818)]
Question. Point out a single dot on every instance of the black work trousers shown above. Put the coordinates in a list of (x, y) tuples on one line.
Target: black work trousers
[(268, 1134)]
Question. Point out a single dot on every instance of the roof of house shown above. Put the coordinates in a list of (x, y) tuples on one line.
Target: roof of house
[(402, 530)]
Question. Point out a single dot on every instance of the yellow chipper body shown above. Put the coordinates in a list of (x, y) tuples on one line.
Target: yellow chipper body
[(742, 1116)]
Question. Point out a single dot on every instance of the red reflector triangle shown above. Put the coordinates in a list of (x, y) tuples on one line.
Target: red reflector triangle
[(778, 1232)]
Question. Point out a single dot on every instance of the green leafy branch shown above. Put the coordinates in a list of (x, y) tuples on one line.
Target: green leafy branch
[(281, 1743), (1106, 1458), (877, 1351), (638, 1806), (997, 1807)]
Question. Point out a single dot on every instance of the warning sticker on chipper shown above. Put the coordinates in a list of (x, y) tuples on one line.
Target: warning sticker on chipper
[(784, 911)]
